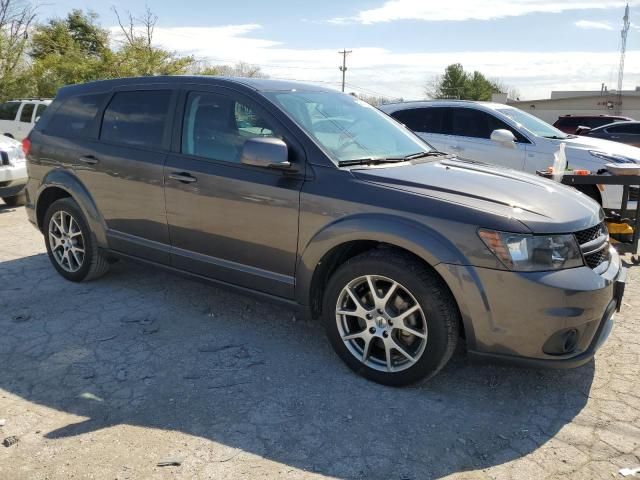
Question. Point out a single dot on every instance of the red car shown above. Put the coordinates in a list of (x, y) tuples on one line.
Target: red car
[(570, 123)]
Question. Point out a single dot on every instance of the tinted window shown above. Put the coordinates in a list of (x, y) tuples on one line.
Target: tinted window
[(136, 118), (74, 116), (428, 120), (217, 126), (467, 122), (27, 112), (40, 110), (9, 110), (628, 128)]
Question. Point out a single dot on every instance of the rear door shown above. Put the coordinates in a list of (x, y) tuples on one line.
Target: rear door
[(25, 119), (123, 170), (429, 123), (472, 130), (229, 221)]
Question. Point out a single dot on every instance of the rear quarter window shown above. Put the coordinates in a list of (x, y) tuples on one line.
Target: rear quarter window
[(426, 120), (74, 117), (9, 110)]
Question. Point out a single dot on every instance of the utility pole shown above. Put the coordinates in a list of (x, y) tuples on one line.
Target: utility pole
[(623, 49), (343, 68)]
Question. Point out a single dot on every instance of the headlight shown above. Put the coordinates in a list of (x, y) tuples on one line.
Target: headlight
[(15, 155), (533, 253), (610, 157)]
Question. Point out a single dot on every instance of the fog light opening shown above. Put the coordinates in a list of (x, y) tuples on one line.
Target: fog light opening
[(570, 341)]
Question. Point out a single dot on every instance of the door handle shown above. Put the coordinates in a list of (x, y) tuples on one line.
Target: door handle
[(182, 177), (88, 159)]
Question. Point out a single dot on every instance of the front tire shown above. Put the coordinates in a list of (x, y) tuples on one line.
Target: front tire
[(71, 245), (15, 200), (390, 318)]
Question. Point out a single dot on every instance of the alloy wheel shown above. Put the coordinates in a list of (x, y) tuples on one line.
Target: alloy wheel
[(66, 241), (381, 323)]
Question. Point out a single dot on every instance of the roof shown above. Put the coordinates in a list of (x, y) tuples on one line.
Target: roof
[(394, 107), (257, 84)]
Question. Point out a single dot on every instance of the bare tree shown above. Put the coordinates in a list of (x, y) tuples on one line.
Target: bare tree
[(16, 18)]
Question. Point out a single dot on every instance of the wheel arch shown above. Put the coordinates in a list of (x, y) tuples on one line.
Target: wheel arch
[(62, 184), (338, 242)]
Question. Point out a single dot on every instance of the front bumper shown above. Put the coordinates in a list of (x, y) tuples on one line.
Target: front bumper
[(13, 179), (537, 319)]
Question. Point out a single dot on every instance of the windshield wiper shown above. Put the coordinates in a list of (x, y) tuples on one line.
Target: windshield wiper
[(369, 161), (377, 161), (556, 137)]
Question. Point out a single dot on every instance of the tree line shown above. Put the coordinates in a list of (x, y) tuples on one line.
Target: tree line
[(37, 58)]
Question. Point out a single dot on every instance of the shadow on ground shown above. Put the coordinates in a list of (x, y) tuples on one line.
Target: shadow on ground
[(146, 348)]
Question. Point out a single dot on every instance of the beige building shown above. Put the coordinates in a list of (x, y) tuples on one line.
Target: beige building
[(580, 103)]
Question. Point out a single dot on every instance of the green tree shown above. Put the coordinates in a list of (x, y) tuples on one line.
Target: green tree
[(16, 18), (67, 51), (240, 69), (459, 84)]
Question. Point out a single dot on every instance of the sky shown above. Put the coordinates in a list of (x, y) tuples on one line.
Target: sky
[(398, 46)]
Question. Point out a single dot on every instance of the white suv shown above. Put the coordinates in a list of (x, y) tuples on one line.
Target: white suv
[(504, 135), (13, 172), (17, 117)]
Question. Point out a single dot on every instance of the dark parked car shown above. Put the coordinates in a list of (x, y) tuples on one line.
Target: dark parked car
[(314, 198), (571, 123), (624, 132)]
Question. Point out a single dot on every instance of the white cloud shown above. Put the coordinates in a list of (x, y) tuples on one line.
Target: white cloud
[(383, 71), (434, 10), (591, 25)]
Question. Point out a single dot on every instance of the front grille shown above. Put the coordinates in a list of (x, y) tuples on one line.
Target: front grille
[(4, 158), (600, 256)]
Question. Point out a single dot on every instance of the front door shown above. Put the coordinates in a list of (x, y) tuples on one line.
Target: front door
[(229, 221)]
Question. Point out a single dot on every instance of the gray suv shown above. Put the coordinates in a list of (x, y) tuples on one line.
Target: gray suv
[(314, 198)]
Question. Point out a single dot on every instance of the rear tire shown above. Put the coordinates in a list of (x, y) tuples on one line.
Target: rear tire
[(409, 330), (71, 245), (16, 200)]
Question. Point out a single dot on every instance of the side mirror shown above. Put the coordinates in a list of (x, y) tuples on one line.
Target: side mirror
[(504, 138), (583, 130), (266, 152), (36, 119)]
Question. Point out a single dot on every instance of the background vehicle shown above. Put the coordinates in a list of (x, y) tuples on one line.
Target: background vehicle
[(315, 198), (624, 132), (570, 123), (13, 171), (507, 136), (17, 117)]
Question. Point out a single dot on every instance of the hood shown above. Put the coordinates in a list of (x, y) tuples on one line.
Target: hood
[(602, 145), (541, 205)]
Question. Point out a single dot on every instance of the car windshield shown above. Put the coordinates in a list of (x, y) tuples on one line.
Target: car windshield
[(533, 124), (347, 128)]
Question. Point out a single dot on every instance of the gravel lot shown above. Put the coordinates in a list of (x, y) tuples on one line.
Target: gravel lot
[(108, 378)]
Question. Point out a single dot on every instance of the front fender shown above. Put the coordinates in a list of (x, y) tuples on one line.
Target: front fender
[(67, 181), (416, 238)]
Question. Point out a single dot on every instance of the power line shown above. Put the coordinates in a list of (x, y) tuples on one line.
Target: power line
[(343, 68)]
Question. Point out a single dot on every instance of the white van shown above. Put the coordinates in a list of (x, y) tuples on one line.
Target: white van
[(17, 117), (504, 135)]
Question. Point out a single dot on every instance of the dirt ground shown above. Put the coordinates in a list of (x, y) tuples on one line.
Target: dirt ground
[(106, 379)]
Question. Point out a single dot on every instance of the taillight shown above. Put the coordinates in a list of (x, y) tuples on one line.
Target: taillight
[(26, 146)]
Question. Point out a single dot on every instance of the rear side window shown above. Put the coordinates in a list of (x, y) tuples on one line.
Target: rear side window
[(27, 112), (427, 120), (567, 122), (40, 110), (74, 116), (9, 110), (136, 118)]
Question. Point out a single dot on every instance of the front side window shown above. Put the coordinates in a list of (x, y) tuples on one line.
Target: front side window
[(533, 124), (40, 110), (217, 126), (75, 115), (625, 128), (136, 118), (27, 112), (347, 128), (9, 110)]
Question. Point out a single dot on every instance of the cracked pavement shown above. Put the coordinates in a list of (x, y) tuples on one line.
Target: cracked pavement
[(108, 378)]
